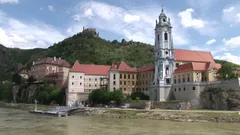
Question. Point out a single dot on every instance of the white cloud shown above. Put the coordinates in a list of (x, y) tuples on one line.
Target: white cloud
[(187, 19), (137, 25), (51, 8), (229, 57), (204, 27), (131, 18), (9, 1), (232, 42), (209, 42), (16, 33), (228, 9), (231, 14)]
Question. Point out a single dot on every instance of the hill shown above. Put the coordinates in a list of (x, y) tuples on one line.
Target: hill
[(11, 57), (85, 47)]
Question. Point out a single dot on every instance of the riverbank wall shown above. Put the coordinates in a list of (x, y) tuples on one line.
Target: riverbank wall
[(185, 105), (171, 115)]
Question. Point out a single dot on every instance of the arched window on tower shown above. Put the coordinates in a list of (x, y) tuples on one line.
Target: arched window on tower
[(165, 36), (157, 37)]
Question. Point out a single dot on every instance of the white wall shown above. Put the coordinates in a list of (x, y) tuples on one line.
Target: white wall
[(111, 85), (76, 82), (192, 95)]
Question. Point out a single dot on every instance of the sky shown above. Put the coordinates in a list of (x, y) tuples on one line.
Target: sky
[(206, 25)]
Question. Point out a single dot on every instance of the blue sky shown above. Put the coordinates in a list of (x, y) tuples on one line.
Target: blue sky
[(209, 25)]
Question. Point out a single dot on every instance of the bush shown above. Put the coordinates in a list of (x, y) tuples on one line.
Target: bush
[(101, 96), (139, 96)]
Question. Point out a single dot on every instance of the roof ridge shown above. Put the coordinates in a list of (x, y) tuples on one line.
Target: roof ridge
[(192, 50)]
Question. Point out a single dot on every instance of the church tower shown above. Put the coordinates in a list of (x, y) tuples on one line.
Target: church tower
[(164, 59)]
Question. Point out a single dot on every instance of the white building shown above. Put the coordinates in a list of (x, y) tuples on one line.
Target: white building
[(84, 78)]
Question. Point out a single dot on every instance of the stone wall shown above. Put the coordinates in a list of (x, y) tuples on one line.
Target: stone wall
[(139, 105), (191, 91), (170, 105)]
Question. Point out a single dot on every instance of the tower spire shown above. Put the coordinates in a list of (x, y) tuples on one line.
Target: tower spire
[(162, 8)]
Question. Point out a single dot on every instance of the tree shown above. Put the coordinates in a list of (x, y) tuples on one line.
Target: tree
[(226, 72), (139, 96), (16, 78), (101, 96), (116, 96)]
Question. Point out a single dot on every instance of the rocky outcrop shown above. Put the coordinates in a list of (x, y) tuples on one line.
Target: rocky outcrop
[(220, 99)]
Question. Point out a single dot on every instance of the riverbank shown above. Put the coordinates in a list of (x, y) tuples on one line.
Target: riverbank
[(155, 114), (172, 115)]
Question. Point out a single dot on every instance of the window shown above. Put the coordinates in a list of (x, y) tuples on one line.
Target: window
[(165, 36), (80, 83), (175, 89), (146, 82), (179, 89), (114, 76), (164, 20), (132, 83), (129, 76), (184, 88), (72, 83), (157, 37), (166, 52), (120, 76), (95, 85), (95, 79), (179, 81), (177, 65), (193, 88), (143, 75), (168, 81), (89, 85), (89, 79), (120, 82), (137, 76), (124, 76), (114, 82), (175, 81), (183, 79), (114, 88), (188, 79), (73, 76), (124, 82), (124, 88), (80, 77), (132, 76)]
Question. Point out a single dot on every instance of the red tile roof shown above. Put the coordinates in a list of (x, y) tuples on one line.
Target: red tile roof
[(193, 56), (123, 67), (53, 61), (146, 68), (90, 69), (194, 66)]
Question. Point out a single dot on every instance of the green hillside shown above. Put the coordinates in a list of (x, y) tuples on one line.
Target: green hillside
[(85, 47)]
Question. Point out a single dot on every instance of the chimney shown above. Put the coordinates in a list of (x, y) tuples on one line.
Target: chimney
[(54, 58)]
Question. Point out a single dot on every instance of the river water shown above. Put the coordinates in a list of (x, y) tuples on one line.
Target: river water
[(19, 122)]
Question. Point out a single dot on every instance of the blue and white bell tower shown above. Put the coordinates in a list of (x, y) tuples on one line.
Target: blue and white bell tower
[(164, 59)]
